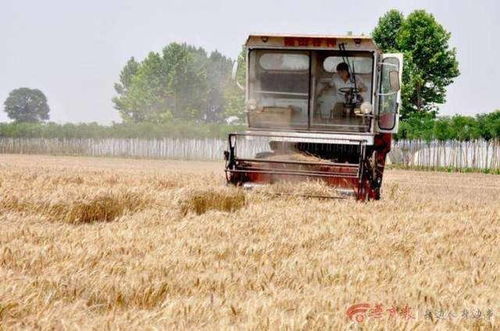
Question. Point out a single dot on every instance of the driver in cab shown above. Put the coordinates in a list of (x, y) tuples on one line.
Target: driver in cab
[(343, 80)]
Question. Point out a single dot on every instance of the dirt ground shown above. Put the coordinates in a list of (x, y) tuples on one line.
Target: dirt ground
[(99, 243)]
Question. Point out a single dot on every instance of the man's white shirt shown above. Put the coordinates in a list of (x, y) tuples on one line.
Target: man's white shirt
[(339, 83)]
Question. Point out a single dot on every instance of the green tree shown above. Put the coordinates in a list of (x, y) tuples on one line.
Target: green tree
[(442, 129), (218, 77), (27, 105), (128, 72), (489, 125), (182, 82), (430, 64), (143, 91), (186, 80), (464, 128), (386, 32), (123, 89), (419, 126)]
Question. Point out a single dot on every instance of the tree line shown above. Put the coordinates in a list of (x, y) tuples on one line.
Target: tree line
[(188, 92), (143, 130), (458, 127)]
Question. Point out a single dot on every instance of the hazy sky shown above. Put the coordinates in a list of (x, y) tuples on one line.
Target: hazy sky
[(74, 50)]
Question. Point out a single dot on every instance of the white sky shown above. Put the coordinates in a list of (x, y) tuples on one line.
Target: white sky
[(74, 50)]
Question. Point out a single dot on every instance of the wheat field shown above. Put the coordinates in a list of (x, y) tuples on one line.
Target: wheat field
[(95, 243)]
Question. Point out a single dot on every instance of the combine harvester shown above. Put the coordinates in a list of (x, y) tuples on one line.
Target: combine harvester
[(321, 107)]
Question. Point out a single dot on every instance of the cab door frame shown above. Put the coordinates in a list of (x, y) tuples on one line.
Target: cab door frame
[(388, 100)]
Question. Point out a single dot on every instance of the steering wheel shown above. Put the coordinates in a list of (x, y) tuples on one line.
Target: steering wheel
[(349, 90)]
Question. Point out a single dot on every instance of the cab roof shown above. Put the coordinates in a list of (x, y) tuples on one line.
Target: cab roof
[(310, 41), (338, 36)]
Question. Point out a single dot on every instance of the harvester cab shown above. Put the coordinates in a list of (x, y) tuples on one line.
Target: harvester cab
[(321, 107)]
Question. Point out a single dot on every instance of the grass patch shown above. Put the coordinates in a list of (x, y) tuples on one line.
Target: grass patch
[(203, 200), (444, 169)]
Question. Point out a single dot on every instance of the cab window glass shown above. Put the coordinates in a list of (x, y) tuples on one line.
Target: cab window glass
[(284, 61), (362, 65), (388, 106), (278, 89)]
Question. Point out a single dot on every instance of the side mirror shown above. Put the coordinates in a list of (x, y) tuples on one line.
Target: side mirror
[(235, 70), (234, 73), (394, 80)]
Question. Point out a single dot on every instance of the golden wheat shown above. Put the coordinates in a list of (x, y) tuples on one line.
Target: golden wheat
[(202, 200), (112, 243)]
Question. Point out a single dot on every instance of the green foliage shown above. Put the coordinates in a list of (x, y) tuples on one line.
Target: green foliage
[(418, 126), (182, 83), (144, 130), (387, 30), (489, 125), (492, 171), (464, 128), (425, 127), (27, 105), (430, 64)]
